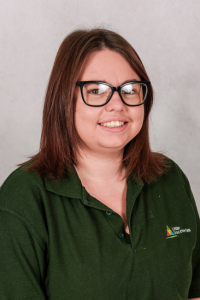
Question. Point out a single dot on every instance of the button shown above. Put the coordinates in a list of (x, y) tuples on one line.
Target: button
[(109, 213), (121, 235)]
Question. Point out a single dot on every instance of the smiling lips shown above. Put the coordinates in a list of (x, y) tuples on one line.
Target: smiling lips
[(113, 124)]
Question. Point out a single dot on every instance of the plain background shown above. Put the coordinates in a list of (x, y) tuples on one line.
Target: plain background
[(166, 34)]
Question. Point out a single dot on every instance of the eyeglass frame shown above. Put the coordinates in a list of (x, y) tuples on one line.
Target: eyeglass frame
[(113, 88)]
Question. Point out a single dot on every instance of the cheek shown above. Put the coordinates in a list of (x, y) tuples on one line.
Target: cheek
[(81, 114), (142, 115), (138, 115), (137, 120), (86, 118)]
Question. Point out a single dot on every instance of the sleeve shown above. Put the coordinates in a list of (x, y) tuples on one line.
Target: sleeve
[(22, 259), (194, 291)]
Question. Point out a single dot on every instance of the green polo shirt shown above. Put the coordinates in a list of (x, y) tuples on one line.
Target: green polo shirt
[(57, 242)]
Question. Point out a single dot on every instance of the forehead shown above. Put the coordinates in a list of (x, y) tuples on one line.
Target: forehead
[(109, 66)]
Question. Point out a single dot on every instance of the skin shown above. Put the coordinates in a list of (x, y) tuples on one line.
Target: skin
[(111, 67), (100, 166), (100, 163)]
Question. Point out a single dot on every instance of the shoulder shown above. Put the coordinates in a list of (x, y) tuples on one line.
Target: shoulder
[(20, 184), (177, 175), (22, 199), (173, 175), (175, 185)]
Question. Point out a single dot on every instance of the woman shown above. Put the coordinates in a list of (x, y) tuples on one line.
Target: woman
[(96, 214)]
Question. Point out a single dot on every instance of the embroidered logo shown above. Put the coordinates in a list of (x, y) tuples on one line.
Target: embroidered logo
[(170, 233), (175, 231)]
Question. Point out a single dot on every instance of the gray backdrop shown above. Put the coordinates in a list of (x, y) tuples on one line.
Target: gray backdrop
[(164, 33)]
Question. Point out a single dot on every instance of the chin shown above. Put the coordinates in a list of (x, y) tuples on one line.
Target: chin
[(113, 146)]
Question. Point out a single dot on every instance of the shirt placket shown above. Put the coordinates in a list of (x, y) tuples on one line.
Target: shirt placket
[(114, 219)]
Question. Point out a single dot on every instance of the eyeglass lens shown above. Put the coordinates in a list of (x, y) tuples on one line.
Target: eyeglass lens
[(99, 93)]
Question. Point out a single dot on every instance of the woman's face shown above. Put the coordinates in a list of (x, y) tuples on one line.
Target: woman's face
[(108, 66)]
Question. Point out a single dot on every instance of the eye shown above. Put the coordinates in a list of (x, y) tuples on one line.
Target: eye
[(128, 92), (128, 89), (96, 91), (131, 89)]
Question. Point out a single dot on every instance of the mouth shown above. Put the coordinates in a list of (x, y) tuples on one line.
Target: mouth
[(113, 124)]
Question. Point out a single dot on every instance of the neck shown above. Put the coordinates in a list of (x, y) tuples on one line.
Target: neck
[(100, 168)]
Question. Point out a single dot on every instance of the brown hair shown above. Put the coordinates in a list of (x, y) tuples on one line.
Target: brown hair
[(59, 139)]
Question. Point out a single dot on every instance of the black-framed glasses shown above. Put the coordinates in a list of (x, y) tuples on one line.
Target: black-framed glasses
[(98, 93)]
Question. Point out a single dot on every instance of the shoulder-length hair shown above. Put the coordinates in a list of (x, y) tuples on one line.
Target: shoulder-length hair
[(60, 142)]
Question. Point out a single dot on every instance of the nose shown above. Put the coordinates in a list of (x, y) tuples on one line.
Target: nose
[(115, 103)]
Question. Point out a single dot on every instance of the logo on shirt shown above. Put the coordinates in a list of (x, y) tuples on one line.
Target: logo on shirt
[(170, 233), (175, 231)]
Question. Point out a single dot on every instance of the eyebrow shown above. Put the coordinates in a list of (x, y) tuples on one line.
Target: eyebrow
[(126, 81), (130, 80)]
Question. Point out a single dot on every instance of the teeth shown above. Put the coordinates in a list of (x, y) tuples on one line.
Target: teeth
[(113, 124)]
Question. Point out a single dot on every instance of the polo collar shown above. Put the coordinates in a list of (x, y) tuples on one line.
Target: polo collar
[(69, 186)]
